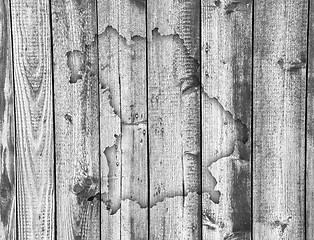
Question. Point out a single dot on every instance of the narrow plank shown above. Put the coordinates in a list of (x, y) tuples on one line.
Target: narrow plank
[(122, 61), (76, 111), (280, 33), (7, 128), (310, 130), (174, 119), (34, 119), (226, 118)]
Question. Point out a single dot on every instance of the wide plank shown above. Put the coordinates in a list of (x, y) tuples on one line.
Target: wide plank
[(279, 85), (123, 94), (174, 119), (7, 129), (226, 118), (34, 119), (76, 113)]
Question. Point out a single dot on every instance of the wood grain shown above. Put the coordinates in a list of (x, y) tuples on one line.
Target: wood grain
[(34, 119), (142, 110), (75, 57), (122, 61), (226, 118), (174, 119), (7, 129), (310, 130), (279, 116)]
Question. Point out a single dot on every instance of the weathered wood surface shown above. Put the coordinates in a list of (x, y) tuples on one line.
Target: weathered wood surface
[(310, 130), (76, 113), (142, 110), (174, 119), (226, 118), (226, 110), (34, 119), (7, 129), (123, 94), (280, 37)]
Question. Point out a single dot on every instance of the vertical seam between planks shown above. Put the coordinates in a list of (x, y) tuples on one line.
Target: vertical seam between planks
[(99, 141), (53, 123), (306, 100), (121, 117), (252, 123), (201, 128), (14, 117), (147, 130)]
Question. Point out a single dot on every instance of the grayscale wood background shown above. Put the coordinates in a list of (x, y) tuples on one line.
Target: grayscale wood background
[(156, 119)]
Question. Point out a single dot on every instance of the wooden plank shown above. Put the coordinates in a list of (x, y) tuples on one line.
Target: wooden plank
[(109, 141), (280, 37), (310, 130), (226, 118), (122, 61), (34, 119), (76, 104), (7, 129), (174, 119)]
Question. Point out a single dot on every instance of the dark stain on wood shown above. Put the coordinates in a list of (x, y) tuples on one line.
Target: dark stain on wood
[(237, 6), (231, 7), (68, 118), (242, 89), (282, 224), (242, 100), (3, 56), (292, 66), (244, 153), (85, 188), (139, 3), (241, 205), (242, 130), (217, 3), (6, 191), (97, 197)]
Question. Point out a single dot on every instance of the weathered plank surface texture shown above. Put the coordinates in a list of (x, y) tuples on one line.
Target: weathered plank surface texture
[(7, 129), (76, 113), (123, 119), (152, 120), (34, 119), (280, 37), (226, 118), (174, 119), (310, 130)]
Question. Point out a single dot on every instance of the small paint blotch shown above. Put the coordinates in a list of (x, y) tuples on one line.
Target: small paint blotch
[(139, 3), (68, 118), (292, 66), (231, 7), (283, 224), (217, 3), (206, 48)]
